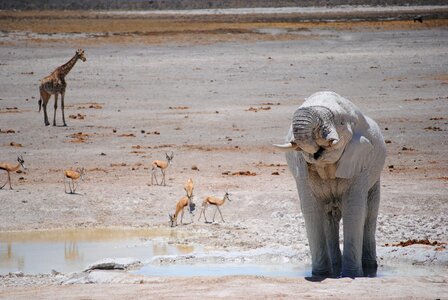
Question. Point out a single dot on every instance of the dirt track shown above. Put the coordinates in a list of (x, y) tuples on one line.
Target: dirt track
[(219, 106)]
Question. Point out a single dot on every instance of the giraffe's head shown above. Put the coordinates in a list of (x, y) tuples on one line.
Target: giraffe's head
[(80, 54)]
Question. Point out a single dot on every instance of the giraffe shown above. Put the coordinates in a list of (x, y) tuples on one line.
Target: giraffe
[(55, 84)]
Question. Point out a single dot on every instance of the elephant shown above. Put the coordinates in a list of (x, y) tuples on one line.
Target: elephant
[(336, 155)]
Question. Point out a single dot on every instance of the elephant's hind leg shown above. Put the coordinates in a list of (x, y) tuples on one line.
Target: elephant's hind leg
[(369, 264)]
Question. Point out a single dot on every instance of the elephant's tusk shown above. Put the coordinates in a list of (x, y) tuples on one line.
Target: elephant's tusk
[(287, 146), (334, 142)]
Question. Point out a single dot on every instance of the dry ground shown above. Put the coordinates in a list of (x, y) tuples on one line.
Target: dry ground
[(218, 95)]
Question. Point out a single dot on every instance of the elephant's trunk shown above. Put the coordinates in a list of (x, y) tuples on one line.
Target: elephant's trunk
[(313, 127)]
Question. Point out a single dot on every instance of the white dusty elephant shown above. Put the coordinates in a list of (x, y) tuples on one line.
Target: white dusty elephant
[(336, 155)]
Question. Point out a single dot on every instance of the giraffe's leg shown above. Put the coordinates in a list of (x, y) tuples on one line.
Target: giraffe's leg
[(182, 217), (65, 186), (44, 96), (55, 107), (62, 107)]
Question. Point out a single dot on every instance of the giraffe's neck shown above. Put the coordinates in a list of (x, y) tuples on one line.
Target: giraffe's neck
[(65, 68)]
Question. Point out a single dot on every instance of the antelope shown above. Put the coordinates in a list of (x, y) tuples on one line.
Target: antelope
[(188, 187), (12, 168), (74, 176), (162, 165), (217, 202), (184, 201)]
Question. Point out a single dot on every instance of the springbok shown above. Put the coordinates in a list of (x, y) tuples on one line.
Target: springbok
[(73, 176), (11, 168), (188, 187), (181, 204), (162, 165), (217, 202)]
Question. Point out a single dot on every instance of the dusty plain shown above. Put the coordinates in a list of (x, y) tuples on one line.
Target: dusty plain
[(218, 94)]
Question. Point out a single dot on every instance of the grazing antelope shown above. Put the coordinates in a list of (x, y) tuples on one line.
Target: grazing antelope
[(12, 168), (162, 165), (73, 176), (184, 201), (54, 84), (217, 202)]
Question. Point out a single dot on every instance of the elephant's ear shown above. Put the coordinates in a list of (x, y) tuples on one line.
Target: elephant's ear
[(355, 157)]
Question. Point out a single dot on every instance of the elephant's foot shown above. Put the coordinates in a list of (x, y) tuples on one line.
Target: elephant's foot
[(319, 276), (315, 278), (369, 268), (352, 273)]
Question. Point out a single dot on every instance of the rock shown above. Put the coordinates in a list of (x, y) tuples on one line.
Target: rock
[(54, 272), (113, 264), (16, 274)]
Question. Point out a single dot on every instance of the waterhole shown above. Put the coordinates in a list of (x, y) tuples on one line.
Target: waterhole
[(73, 250), (69, 251)]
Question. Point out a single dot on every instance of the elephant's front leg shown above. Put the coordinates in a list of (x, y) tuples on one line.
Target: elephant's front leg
[(354, 209), (332, 221), (313, 214)]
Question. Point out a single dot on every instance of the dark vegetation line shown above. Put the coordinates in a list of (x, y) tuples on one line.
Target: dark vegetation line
[(194, 4)]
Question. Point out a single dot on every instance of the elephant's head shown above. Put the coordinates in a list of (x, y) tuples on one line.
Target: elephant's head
[(315, 133)]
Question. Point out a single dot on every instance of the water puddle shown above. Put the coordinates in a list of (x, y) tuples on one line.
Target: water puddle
[(73, 250), (69, 251)]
